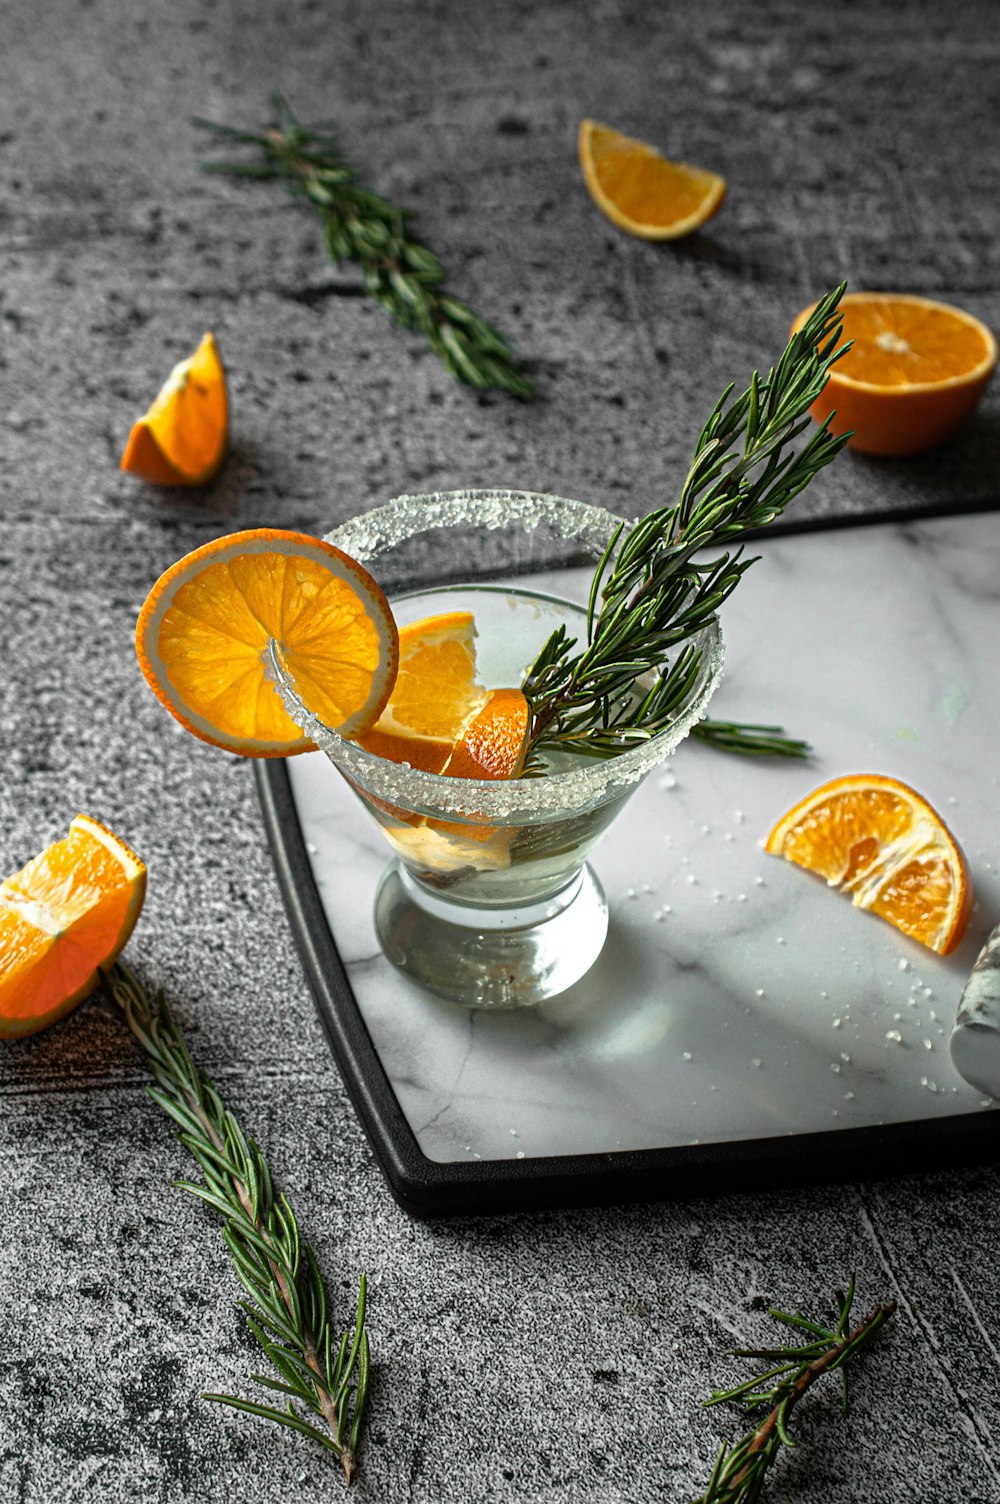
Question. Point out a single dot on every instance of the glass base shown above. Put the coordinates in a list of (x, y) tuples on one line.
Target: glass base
[(496, 958)]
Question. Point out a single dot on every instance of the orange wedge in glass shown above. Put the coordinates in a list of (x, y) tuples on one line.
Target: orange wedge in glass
[(205, 626), (64, 916), (494, 743), (641, 191), (182, 439), (914, 374), (882, 844), (435, 696)]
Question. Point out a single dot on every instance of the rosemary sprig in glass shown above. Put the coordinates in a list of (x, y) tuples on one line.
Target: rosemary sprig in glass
[(653, 590), (400, 273), (288, 1309), (741, 1470)]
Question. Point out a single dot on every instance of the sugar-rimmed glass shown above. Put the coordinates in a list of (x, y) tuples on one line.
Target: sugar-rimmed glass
[(489, 901)]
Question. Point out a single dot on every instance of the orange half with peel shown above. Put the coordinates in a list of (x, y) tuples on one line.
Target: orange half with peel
[(65, 915), (881, 843), (204, 628), (181, 440), (642, 191), (913, 375)]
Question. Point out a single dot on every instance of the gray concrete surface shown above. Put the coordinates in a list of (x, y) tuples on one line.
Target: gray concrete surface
[(562, 1356)]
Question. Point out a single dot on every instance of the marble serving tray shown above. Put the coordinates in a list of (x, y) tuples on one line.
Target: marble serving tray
[(744, 1025)]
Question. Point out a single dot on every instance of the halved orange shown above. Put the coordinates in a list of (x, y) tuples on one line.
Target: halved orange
[(66, 914), (205, 625), (880, 842), (181, 440), (641, 191), (435, 696), (913, 375)]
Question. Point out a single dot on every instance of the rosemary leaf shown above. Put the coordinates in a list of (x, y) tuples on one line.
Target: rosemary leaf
[(402, 275), (278, 1271)]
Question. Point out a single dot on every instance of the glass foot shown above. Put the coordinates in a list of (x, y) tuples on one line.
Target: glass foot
[(498, 957)]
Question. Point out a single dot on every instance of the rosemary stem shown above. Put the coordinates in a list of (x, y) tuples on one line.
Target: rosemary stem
[(830, 1359)]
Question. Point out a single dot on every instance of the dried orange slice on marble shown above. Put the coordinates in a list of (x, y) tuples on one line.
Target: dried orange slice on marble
[(881, 843)]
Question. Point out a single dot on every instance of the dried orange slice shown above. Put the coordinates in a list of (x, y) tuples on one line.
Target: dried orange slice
[(913, 375), (62, 917), (641, 191), (880, 842), (182, 439), (435, 696), (206, 623)]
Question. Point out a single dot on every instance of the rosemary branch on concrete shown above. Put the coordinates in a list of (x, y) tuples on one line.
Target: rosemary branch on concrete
[(740, 1471), (400, 273), (654, 590), (288, 1309)]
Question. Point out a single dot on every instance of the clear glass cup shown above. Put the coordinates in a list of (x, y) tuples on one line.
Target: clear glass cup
[(489, 900)]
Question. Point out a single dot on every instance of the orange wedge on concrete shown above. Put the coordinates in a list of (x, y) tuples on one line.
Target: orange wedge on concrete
[(183, 437), (64, 916)]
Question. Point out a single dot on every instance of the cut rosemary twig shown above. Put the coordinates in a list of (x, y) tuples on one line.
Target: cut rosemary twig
[(403, 275), (653, 590), (750, 740), (741, 1470), (288, 1311)]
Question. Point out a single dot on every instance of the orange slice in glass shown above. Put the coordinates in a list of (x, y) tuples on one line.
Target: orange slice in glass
[(914, 374), (182, 439), (494, 743), (435, 696), (62, 917), (205, 625), (641, 191), (882, 844)]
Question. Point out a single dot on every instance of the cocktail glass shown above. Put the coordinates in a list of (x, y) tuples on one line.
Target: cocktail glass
[(489, 900)]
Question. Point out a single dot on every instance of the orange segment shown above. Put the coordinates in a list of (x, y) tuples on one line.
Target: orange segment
[(494, 743), (206, 623), (182, 439), (62, 917), (641, 191), (435, 695), (880, 842), (913, 375)]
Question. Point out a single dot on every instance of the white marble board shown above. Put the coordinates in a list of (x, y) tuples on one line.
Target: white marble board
[(737, 997)]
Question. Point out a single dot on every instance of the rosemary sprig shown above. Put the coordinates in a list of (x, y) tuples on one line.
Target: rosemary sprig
[(402, 274), (740, 1471), (652, 594), (288, 1310), (748, 739)]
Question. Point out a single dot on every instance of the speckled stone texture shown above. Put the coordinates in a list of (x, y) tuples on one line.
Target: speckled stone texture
[(558, 1357)]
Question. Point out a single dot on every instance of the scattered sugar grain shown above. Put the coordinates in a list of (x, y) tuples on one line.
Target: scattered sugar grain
[(835, 1067), (756, 1063), (759, 991), (848, 1096), (894, 1035), (741, 898), (687, 1055), (903, 964), (836, 1023), (759, 882), (845, 1057), (520, 1154), (928, 1044)]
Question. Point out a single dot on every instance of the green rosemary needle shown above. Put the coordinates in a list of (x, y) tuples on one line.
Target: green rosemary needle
[(288, 1309), (653, 590), (741, 1470), (400, 273)]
